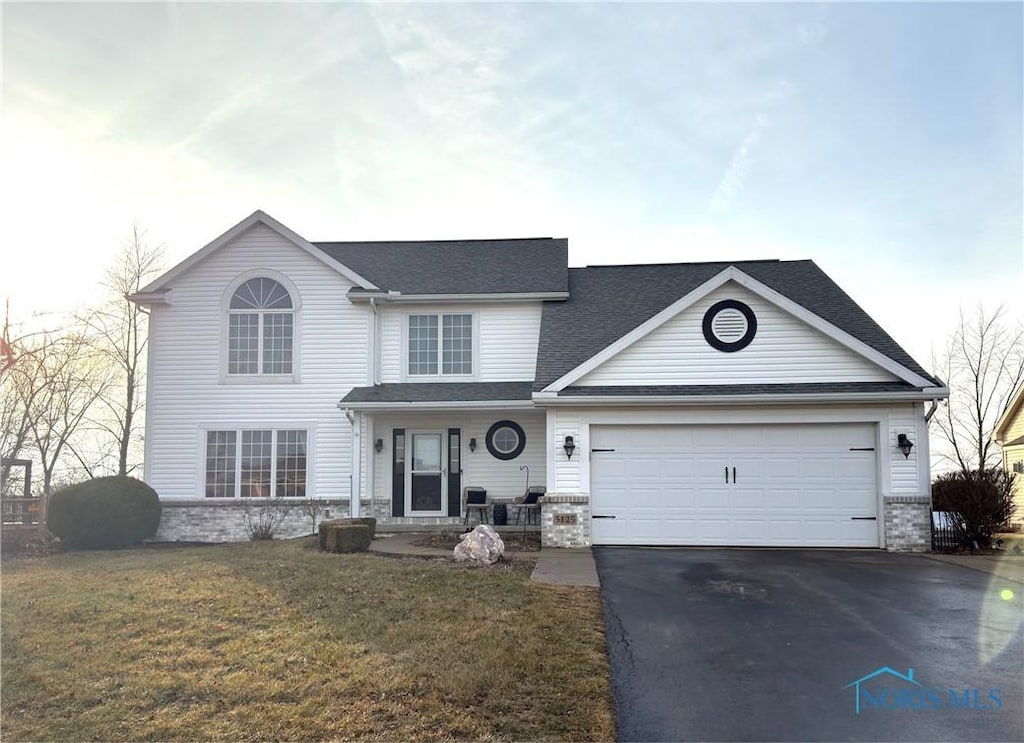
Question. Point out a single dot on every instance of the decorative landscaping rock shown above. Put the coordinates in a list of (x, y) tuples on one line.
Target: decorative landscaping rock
[(341, 537), (481, 545)]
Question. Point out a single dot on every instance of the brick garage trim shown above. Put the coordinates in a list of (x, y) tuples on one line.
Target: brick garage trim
[(565, 535), (908, 523)]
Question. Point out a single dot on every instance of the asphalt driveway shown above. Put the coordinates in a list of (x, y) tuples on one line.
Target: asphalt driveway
[(720, 645)]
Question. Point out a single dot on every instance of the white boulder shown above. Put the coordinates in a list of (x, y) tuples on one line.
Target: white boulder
[(481, 545)]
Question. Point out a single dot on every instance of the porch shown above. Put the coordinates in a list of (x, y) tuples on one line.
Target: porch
[(418, 455)]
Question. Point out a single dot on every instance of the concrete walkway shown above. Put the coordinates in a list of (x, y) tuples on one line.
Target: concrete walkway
[(562, 567), (1005, 566)]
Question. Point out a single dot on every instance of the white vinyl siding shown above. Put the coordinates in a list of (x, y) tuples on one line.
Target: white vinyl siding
[(784, 350), (189, 393), (504, 343)]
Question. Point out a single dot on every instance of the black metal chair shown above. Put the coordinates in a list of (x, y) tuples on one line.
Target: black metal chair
[(474, 499), (528, 502)]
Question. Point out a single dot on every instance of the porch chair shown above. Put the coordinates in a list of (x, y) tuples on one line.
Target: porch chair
[(528, 502), (474, 499)]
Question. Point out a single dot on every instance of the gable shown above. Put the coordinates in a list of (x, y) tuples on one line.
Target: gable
[(153, 292), (1010, 425), (784, 350), (609, 307)]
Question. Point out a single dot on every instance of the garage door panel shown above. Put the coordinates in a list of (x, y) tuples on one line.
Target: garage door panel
[(796, 485)]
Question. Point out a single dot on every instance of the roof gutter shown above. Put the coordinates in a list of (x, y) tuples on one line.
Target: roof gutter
[(543, 399), (396, 296), (437, 405), (149, 298)]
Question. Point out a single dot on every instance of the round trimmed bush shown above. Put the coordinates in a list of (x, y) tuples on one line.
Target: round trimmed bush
[(105, 513)]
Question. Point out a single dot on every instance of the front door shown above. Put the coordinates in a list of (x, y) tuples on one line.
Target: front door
[(426, 474)]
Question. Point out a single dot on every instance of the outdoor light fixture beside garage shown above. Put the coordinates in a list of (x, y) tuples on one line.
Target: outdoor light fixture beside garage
[(472, 444), (378, 445), (904, 444), (569, 447)]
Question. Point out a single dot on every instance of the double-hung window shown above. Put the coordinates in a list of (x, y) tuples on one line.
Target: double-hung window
[(260, 329), (256, 463), (441, 345)]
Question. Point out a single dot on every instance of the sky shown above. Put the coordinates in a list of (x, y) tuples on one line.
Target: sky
[(882, 140)]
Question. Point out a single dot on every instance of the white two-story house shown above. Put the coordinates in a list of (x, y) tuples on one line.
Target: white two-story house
[(731, 403)]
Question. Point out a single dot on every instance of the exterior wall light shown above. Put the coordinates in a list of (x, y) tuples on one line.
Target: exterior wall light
[(472, 444), (378, 445), (569, 447), (904, 444)]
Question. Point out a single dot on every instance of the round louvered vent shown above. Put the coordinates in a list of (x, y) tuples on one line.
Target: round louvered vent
[(729, 325)]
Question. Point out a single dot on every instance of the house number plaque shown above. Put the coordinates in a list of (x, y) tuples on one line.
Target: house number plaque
[(565, 519)]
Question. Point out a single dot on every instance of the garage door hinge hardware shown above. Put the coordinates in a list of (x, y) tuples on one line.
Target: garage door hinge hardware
[(863, 518), (595, 516), (862, 448), (602, 450)]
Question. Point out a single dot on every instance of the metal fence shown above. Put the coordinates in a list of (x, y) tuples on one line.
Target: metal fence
[(945, 536)]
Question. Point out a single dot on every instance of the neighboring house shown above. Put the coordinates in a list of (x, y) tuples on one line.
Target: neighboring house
[(1009, 434), (729, 403)]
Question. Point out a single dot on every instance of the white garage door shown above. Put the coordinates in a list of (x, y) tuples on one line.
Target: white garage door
[(752, 485)]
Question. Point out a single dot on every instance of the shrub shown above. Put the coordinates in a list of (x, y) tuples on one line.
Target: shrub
[(262, 521), (345, 537), (369, 523), (980, 503), (105, 513)]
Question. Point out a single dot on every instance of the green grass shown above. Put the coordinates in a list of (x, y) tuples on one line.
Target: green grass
[(276, 640)]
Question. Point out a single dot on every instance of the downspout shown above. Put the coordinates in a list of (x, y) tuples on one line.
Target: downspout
[(931, 411), (374, 345), (353, 496)]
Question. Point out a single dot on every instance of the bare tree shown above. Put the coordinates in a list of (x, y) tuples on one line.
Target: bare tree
[(118, 330), (984, 367), (17, 399), (57, 382)]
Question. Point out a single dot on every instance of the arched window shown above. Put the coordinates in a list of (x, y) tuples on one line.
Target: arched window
[(260, 328)]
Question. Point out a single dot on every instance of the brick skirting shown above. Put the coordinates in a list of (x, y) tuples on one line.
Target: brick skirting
[(217, 521)]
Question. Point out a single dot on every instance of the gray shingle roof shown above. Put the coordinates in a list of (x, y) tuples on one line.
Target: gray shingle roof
[(441, 392), (525, 265), (695, 390), (607, 302)]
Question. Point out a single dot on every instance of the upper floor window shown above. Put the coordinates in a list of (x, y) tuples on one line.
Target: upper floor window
[(260, 328), (440, 344)]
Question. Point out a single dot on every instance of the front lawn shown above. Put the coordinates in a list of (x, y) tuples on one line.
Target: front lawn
[(276, 640)]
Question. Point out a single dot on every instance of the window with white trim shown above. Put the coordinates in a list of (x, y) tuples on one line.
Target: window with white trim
[(260, 329), (256, 463), (440, 344)]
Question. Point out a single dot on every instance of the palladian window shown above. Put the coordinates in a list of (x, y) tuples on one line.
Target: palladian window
[(260, 328)]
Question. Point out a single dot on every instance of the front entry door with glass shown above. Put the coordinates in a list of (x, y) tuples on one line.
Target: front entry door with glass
[(426, 474)]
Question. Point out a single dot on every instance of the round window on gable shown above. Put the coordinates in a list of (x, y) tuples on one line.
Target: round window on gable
[(729, 325), (505, 440)]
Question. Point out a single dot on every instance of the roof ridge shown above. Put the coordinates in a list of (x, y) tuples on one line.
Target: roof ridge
[(695, 263), (447, 240)]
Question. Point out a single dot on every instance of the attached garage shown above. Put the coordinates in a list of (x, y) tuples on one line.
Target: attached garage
[(792, 485)]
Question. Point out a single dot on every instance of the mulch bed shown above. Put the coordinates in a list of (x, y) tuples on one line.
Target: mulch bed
[(529, 542)]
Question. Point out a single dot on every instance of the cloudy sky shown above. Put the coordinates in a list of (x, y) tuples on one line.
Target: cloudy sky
[(884, 141)]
